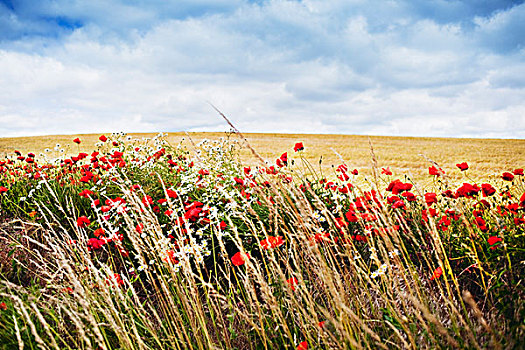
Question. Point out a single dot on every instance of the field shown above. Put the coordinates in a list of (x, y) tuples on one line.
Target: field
[(206, 241), (402, 154)]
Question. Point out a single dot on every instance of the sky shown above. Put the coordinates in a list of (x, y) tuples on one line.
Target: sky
[(444, 68)]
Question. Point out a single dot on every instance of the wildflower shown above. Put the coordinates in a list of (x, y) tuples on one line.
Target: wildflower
[(393, 253), (518, 172), (103, 138), (115, 279), (95, 243), (462, 166), (3, 306), (298, 147), (292, 282), (435, 171), (147, 200), (487, 190), (386, 171), (282, 160), (239, 259), (437, 273), (507, 176), (99, 232), (321, 324), (430, 198), (83, 221), (171, 193), (302, 346), (272, 242), (3, 189), (77, 141), (355, 172), (493, 240)]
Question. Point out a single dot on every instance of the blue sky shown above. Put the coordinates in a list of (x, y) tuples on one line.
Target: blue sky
[(392, 67)]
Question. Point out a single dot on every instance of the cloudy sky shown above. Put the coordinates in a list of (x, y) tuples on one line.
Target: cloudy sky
[(390, 67)]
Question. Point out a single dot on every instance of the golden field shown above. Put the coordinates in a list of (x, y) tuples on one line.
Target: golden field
[(404, 155)]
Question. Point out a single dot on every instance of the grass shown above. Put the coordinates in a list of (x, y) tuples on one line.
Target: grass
[(158, 244)]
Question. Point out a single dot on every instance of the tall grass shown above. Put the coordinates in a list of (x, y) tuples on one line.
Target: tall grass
[(287, 268)]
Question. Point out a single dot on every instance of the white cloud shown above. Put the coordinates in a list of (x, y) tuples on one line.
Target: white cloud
[(284, 66)]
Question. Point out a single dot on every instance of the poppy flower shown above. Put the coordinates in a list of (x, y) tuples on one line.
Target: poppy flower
[(239, 259), (83, 221), (487, 190), (518, 172), (95, 243), (3, 189), (355, 172), (77, 141), (272, 242), (435, 171), (462, 166), (437, 273), (386, 171), (116, 279), (103, 138), (171, 193), (302, 346), (493, 240), (298, 147), (3, 306), (282, 160), (147, 200), (507, 176), (430, 198), (99, 232), (292, 282)]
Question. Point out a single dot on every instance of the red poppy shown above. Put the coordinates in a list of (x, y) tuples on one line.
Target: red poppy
[(239, 259), (487, 190), (298, 147), (3, 306), (518, 172), (3, 189), (302, 346), (272, 242), (292, 282), (171, 193), (116, 279), (437, 273), (355, 172), (147, 200), (282, 160), (95, 243), (493, 240), (77, 141), (386, 171), (103, 138), (321, 324), (435, 171), (98, 232), (507, 176), (462, 166), (83, 221), (430, 198)]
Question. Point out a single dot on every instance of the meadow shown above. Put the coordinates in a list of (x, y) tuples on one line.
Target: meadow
[(212, 241)]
